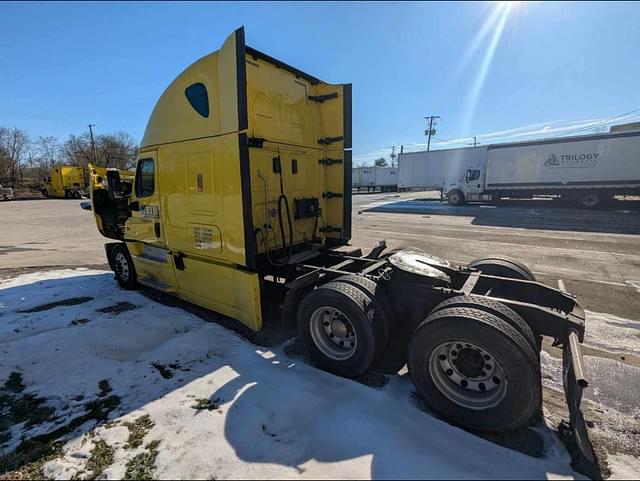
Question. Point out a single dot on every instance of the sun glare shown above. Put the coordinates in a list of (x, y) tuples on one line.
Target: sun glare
[(492, 28)]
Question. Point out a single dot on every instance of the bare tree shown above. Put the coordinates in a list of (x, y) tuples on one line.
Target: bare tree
[(76, 150), (44, 155), (14, 146), (117, 150)]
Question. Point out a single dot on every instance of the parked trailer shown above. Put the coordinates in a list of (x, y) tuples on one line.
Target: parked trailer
[(66, 182), (587, 170), (208, 219), (437, 169), (384, 179)]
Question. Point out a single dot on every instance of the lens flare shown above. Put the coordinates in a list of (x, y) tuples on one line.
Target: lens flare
[(493, 27)]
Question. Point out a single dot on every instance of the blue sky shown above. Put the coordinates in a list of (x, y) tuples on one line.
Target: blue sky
[(557, 68)]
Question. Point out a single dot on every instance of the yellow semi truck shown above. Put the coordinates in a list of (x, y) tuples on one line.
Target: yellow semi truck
[(65, 181), (241, 203)]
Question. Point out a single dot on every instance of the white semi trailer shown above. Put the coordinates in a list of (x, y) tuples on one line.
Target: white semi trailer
[(437, 169), (384, 179), (585, 169)]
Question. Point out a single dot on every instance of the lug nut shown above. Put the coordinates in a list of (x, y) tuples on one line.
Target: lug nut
[(488, 367), (442, 357), (341, 343), (353, 344), (449, 372), (464, 383), (454, 353), (482, 387), (487, 357), (332, 335), (458, 347), (496, 380)]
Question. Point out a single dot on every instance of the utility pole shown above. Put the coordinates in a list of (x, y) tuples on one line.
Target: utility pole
[(430, 131), (93, 145), (474, 141), (393, 156)]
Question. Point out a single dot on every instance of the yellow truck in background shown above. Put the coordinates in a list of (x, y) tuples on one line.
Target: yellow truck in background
[(65, 181), (241, 203)]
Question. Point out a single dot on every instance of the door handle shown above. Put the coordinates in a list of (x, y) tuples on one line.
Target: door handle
[(156, 229)]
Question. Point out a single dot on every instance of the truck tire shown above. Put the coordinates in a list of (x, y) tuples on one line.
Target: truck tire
[(503, 267), (123, 267), (335, 325), (475, 370), (383, 316), (496, 308), (455, 197)]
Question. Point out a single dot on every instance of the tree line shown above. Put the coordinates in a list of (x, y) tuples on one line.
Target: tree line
[(26, 160)]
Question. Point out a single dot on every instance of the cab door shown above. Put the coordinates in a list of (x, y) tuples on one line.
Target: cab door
[(144, 224)]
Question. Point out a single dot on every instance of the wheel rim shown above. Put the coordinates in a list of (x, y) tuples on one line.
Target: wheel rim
[(455, 198), (590, 200), (333, 333), (467, 375), (122, 266)]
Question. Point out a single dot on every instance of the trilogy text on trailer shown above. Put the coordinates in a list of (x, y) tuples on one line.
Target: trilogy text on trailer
[(567, 160)]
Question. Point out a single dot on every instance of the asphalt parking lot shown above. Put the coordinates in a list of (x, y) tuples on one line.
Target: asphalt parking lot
[(596, 253)]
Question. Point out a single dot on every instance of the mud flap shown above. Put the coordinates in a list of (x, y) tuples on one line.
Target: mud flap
[(574, 383)]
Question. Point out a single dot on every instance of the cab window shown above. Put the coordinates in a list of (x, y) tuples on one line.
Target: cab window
[(473, 175), (145, 178), (198, 98)]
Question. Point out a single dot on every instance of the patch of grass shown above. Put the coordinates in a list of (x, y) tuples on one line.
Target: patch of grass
[(138, 430), (27, 462), (141, 466), (79, 322), (14, 383), (101, 458), (17, 407), (164, 371), (105, 387), (208, 404), (74, 301), (118, 308)]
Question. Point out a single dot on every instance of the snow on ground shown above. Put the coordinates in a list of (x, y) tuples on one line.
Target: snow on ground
[(612, 333), (268, 415)]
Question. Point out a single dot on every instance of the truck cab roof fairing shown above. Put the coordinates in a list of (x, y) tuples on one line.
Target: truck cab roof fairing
[(175, 119), (223, 75)]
